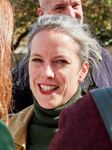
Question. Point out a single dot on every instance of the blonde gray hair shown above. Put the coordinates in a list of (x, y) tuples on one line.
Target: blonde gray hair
[(81, 34)]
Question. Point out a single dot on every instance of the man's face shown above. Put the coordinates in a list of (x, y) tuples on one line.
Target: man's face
[(72, 8)]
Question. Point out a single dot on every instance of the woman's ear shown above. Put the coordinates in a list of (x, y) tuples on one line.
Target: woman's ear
[(83, 72), (40, 12)]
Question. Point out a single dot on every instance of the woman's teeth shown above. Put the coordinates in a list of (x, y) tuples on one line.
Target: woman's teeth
[(48, 88)]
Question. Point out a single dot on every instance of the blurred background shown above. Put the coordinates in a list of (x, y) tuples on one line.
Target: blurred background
[(97, 13)]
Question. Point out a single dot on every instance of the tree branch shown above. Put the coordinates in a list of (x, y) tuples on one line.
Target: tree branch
[(20, 38)]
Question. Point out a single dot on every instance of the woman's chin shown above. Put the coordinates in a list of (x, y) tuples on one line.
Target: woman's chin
[(49, 105)]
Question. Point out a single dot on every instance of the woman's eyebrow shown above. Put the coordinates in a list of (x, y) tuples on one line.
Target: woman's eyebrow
[(34, 54)]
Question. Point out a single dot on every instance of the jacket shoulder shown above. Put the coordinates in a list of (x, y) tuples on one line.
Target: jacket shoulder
[(18, 124)]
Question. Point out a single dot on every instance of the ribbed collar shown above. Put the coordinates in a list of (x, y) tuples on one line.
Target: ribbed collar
[(50, 117)]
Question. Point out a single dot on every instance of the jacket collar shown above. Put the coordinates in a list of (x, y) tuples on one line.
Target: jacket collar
[(18, 124)]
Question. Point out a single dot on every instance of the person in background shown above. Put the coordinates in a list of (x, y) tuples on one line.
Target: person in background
[(101, 77), (6, 30), (55, 71)]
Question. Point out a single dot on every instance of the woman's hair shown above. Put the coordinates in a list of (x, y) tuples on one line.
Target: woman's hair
[(6, 30), (88, 47)]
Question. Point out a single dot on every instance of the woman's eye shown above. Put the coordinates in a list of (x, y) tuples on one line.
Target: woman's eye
[(61, 61), (37, 60)]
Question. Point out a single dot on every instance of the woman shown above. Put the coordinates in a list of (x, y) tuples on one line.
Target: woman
[(6, 30), (59, 54)]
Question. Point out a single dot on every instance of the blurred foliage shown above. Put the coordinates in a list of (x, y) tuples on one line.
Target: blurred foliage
[(98, 13), (25, 12)]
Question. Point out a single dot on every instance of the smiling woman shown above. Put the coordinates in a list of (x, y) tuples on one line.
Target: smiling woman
[(60, 51), (54, 69)]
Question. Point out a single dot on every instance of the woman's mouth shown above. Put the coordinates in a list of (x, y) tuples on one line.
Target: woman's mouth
[(46, 88)]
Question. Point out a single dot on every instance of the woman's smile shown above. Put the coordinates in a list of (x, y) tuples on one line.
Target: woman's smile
[(48, 89)]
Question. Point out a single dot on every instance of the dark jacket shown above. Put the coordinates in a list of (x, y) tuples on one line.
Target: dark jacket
[(81, 128), (101, 77)]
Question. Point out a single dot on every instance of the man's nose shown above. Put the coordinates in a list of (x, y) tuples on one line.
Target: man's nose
[(70, 12), (47, 72)]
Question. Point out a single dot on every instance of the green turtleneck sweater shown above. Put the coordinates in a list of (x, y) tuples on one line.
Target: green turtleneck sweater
[(44, 124)]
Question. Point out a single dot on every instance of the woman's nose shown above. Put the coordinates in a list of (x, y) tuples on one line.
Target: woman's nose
[(47, 72)]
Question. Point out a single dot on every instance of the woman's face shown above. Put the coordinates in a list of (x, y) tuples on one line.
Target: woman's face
[(54, 68)]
